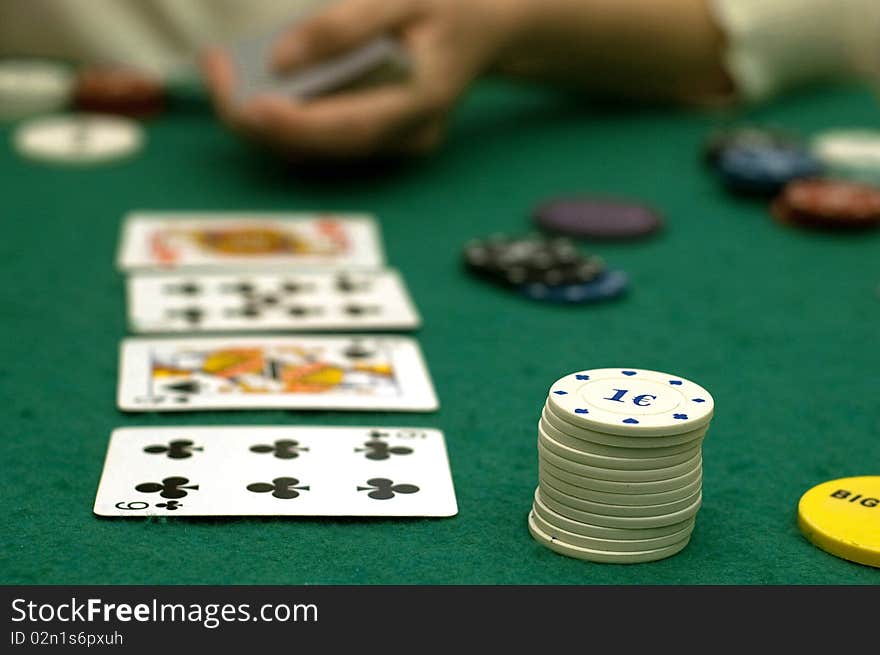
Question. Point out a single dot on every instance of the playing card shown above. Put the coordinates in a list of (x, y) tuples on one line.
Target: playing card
[(260, 301), (276, 471), (341, 372), (383, 57), (206, 240)]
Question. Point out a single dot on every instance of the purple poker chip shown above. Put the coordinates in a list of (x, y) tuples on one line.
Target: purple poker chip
[(597, 218)]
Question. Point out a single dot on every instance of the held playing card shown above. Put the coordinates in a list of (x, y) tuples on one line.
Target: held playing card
[(211, 240), (260, 301), (377, 60), (276, 471), (296, 372)]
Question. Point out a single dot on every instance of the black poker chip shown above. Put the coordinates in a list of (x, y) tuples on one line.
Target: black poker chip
[(512, 261)]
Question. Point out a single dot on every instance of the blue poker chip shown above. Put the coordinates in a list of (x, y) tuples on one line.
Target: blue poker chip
[(608, 285), (765, 170), (747, 136)]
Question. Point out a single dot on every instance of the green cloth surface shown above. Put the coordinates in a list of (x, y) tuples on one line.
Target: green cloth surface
[(781, 325)]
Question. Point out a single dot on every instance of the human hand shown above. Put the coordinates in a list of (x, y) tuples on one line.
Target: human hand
[(448, 42)]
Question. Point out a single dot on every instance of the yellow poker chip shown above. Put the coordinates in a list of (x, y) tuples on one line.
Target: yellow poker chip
[(842, 517)]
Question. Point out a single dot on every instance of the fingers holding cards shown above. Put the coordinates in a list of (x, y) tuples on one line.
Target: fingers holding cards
[(350, 373), (251, 63), (276, 471)]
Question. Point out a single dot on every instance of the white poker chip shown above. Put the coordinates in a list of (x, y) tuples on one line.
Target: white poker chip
[(849, 148), (624, 452), (636, 475), (569, 484), (609, 545), (619, 441), (30, 87), (591, 555), (631, 402), (604, 509), (587, 456), (604, 532), (553, 502), (587, 480), (78, 139)]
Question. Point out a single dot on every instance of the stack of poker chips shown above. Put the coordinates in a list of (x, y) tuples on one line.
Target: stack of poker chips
[(830, 183), (850, 153), (121, 91), (828, 204), (620, 465), (760, 162), (549, 269)]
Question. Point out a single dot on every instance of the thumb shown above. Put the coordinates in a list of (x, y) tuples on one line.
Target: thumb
[(338, 28)]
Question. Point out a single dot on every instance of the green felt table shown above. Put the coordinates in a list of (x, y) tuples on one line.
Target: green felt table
[(781, 325)]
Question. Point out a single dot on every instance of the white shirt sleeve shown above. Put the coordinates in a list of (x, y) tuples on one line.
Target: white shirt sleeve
[(773, 45), (162, 36)]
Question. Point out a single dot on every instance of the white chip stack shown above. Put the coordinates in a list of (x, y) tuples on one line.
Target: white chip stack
[(850, 153), (620, 465)]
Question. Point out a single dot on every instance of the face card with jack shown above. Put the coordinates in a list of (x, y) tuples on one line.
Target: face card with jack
[(296, 372)]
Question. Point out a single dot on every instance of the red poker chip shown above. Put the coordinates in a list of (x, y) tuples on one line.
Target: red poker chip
[(828, 203), (119, 91)]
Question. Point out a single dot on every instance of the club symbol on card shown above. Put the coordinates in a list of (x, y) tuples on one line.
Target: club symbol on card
[(384, 489), (177, 449), (183, 289), (248, 310), (357, 351), (185, 386), (347, 284), (243, 287), (360, 310), (378, 450), (302, 310), (285, 488), (291, 286), (173, 487), (282, 449), (192, 315), (182, 390), (171, 505)]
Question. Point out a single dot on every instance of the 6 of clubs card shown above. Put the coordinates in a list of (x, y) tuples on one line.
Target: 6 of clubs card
[(339, 372), (276, 471)]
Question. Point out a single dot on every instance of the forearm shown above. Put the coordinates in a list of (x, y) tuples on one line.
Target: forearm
[(663, 49)]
